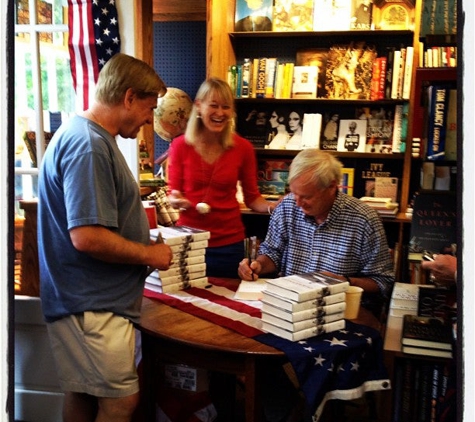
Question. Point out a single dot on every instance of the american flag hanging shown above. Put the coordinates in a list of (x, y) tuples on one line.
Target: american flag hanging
[(93, 40)]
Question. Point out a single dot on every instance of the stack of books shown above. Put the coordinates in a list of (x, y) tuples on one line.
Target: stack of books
[(188, 245), (385, 207), (427, 336), (301, 306)]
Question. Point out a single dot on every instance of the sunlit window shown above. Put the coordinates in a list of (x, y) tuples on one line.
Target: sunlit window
[(44, 93)]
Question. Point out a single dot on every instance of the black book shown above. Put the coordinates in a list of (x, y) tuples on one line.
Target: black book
[(426, 332)]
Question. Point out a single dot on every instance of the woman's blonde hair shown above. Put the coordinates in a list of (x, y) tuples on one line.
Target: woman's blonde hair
[(211, 87), (322, 168)]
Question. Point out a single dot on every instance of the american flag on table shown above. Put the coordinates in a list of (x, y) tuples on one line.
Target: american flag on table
[(93, 40), (340, 365)]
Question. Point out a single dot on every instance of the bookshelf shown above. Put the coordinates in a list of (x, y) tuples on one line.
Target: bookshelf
[(227, 47)]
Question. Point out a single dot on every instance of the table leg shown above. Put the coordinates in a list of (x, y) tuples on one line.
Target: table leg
[(253, 408)]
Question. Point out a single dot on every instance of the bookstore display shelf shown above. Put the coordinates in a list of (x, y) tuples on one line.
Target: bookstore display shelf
[(319, 34), (265, 152)]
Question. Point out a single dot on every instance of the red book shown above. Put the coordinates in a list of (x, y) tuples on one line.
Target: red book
[(383, 64)]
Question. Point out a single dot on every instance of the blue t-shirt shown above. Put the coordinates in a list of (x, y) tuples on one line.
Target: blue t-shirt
[(84, 180)]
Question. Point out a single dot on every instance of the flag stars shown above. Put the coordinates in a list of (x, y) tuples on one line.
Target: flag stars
[(359, 334), (115, 40), (113, 21), (319, 360), (99, 41), (309, 349), (336, 342), (355, 366), (97, 22), (105, 11), (106, 32), (109, 51), (369, 340), (340, 368)]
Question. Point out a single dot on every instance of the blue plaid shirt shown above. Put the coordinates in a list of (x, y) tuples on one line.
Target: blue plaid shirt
[(351, 242)]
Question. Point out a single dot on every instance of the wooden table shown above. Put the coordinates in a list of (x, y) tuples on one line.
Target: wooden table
[(171, 335)]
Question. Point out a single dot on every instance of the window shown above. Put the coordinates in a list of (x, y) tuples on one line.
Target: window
[(44, 94)]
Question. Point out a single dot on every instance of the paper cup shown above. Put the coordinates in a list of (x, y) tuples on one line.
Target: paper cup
[(151, 212), (353, 300)]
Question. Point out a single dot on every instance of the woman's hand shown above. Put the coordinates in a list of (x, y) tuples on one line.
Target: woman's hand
[(178, 201)]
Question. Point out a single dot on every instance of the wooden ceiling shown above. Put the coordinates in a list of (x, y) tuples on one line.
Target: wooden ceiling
[(179, 10)]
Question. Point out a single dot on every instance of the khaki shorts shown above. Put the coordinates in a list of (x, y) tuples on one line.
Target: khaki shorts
[(94, 354)]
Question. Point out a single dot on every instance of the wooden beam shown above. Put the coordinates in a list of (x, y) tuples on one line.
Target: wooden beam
[(179, 10)]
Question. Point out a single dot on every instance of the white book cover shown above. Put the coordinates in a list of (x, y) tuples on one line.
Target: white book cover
[(312, 128), (181, 271), (305, 333), (304, 287), (179, 262), (312, 313), (250, 290), (395, 74), (173, 279), (292, 306), (305, 80), (352, 135), (179, 234), (188, 253), (183, 247), (406, 88), (303, 324), (200, 282)]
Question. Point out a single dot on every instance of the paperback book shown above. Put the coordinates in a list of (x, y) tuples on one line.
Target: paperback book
[(303, 324), (312, 313), (177, 235)]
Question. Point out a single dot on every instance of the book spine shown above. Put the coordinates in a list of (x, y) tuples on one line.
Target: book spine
[(451, 127), (389, 73), (246, 78), (397, 128), (395, 74), (406, 91), (374, 90), (261, 78), (402, 66), (255, 67), (232, 78), (238, 81), (437, 115), (383, 66), (271, 65)]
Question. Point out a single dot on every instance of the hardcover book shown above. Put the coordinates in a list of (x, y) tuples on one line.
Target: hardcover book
[(200, 282), (379, 132), (303, 324), (312, 128), (347, 180), (426, 332), (305, 333), (253, 15), (293, 307), (290, 15), (302, 287), (305, 82), (183, 271), (438, 96), (177, 235), (437, 302), (386, 187), (362, 14), (312, 313), (190, 246), (314, 57), (434, 223), (329, 138), (349, 71), (352, 135), (332, 16)]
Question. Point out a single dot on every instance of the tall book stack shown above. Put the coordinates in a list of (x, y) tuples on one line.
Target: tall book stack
[(188, 245), (301, 306)]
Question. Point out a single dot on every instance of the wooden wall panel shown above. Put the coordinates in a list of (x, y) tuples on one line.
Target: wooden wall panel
[(179, 10)]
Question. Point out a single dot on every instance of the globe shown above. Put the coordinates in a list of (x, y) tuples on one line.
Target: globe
[(172, 113)]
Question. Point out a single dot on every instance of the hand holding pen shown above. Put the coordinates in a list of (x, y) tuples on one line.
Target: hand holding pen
[(250, 250)]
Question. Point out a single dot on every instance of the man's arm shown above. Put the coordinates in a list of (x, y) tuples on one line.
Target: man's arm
[(105, 245)]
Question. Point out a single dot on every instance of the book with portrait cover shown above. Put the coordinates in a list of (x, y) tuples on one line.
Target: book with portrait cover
[(314, 57), (352, 135), (349, 71), (253, 15)]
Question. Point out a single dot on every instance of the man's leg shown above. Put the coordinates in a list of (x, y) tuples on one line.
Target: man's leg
[(79, 407)]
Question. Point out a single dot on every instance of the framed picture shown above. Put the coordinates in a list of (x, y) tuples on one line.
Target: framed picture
[(314, 57)]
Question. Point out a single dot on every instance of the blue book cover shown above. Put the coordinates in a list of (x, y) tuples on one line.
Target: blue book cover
[(253, 15), (437, 116)]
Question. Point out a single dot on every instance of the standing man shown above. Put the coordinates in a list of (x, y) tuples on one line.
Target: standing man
[(94, 245)]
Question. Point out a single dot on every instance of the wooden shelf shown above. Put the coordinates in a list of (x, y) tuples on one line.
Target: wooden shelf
[(309, 34)]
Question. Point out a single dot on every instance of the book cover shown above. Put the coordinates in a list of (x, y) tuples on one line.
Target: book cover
[(426, 332), (184, 247), (395, 15), (311, 131), (399, 136), (362, 15), (434, 223), (347, 180), (290, 15), (349, 71), (386, 187), (253, 15), (181, 271), (380, 126), (437, 302), (424, 351), (176, 235), (302, 287), (332, 16), (272, 176), (303, 324), (314, 57), (305, 82), (200, 282), (366, 172), (253, 123), (292, 306), (438, 96), (261, 77), (305, 333), (352, 135), (307, 314), (271, 68), (246, 78)]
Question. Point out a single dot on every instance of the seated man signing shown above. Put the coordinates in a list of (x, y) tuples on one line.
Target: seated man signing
[(318, 228)]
